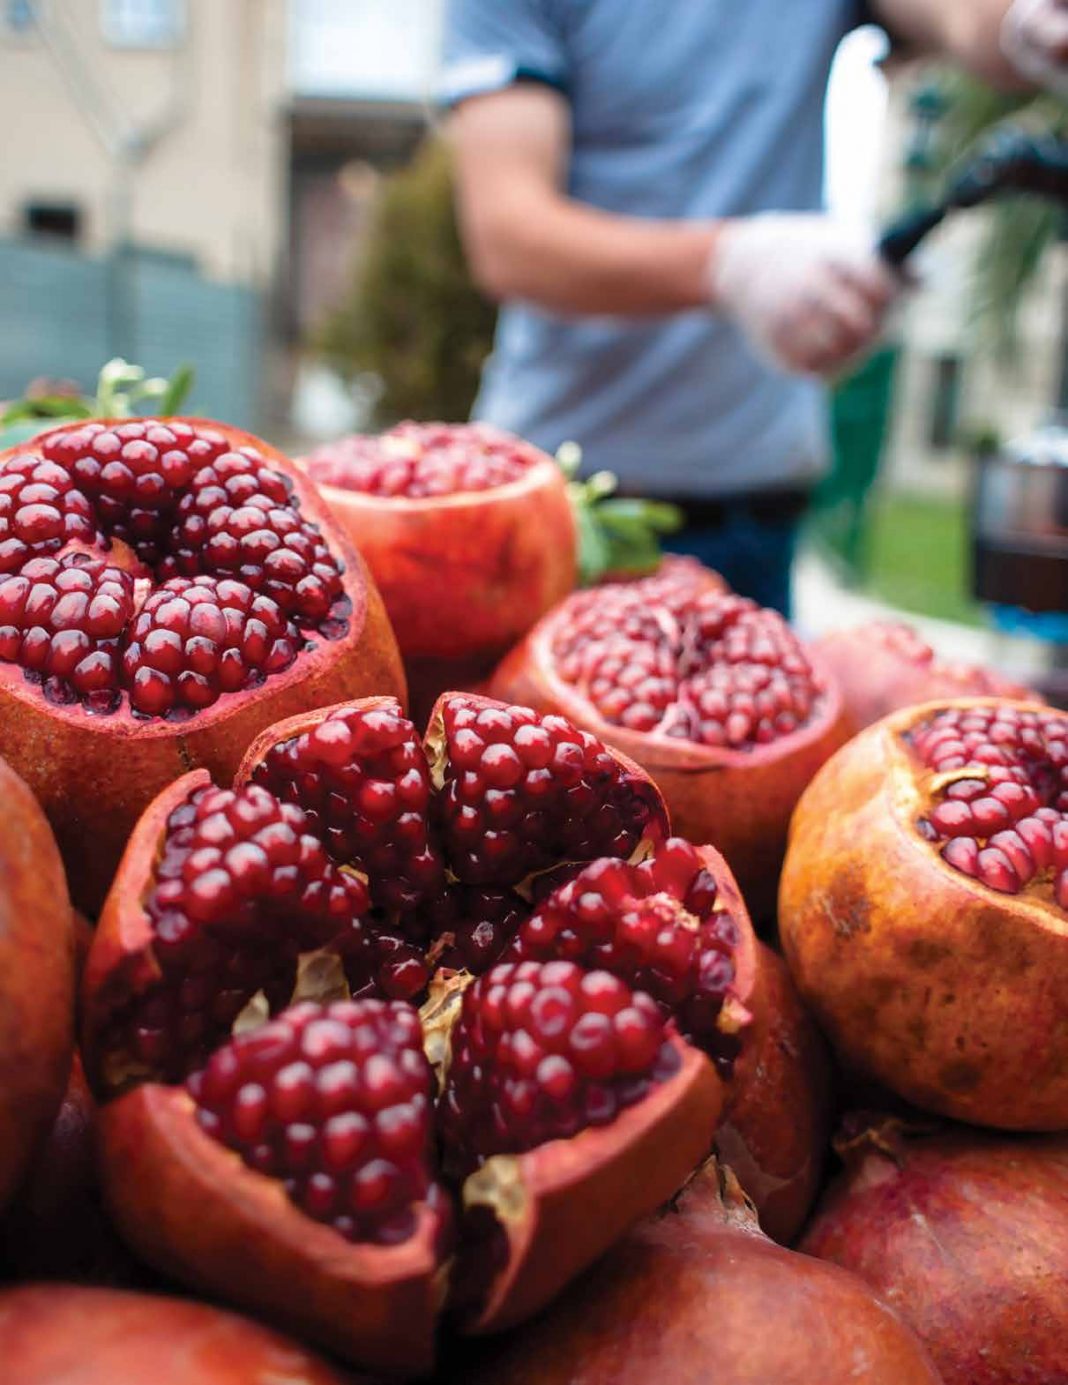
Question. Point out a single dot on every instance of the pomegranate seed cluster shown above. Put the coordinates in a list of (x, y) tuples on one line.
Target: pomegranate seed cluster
[(195, 574), (668, 657), (544, 1050), (415, 461), (240, 890), (1001, 795), (336, 1101), (658, 925), (522, 792)]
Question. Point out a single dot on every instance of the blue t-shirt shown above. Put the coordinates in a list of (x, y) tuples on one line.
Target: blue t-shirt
[(679, 108)]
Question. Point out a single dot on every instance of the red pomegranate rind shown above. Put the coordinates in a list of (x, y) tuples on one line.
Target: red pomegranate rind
[(947, 990), (556, 1208), (681, 662), (465, 566), (883, 666), (195, 1210), (50, 1333), (94, 771), (37, 982), (776, 1130), (673, 925)]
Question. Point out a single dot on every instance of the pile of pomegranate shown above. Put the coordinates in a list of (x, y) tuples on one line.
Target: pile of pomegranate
[(443, 1047)]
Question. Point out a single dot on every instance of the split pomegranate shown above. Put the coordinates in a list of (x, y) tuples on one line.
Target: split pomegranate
[(59, 1333), (307, 1142), (885, 665), (696, 1294), (36, 980), (922, 908), (468, 532), (966, 1236), (167, 588), (676, 925), (712, 694)]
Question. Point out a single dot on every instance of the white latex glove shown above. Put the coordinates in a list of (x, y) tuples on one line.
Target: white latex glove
[(810, 293), (1034, 38)]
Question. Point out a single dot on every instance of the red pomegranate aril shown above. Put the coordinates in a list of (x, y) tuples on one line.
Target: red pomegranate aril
[(512, 1022), (352, 1093)]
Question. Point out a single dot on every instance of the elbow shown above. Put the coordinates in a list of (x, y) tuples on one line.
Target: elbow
[(495, 260)]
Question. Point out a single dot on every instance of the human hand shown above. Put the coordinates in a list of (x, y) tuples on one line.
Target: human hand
[(810, 293), (1034, 38)]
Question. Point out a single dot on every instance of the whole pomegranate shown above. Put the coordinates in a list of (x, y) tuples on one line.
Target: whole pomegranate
[(36, 980), (966, 1236), (271, 1125), (167, 589), (468, 532), (885, 665), (59, 1333), (922, 908), (712, 694), (697, 1294)]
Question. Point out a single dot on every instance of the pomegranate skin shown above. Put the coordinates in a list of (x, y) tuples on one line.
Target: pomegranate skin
[(194, 1210), (59, 1333), (950, 994), (94, 774), (883, 666), (966, 1236), (465, 575), (697, 1293), (36, 980), (739, 800), (777, 1127)]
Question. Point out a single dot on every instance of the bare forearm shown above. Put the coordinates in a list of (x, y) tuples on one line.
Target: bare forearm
[(568, 257), (968, 31)]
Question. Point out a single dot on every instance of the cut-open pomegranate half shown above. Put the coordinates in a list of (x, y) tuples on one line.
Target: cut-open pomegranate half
[(923, 908), (283, 1151), (885, 665), (168, 587), (712, 694), (468, 532)]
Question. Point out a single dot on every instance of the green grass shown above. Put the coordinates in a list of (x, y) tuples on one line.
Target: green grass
[(918, 556)]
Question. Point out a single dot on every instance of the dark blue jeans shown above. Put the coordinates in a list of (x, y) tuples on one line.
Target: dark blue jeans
[(754, 552)]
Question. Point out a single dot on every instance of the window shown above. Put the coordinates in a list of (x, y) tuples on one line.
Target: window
[(56, 220), (943, 431), (143, 23)]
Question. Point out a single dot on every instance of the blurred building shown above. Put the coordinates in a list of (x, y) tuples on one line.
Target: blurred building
[(142, 188)]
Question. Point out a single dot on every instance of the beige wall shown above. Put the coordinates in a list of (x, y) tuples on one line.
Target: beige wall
[(212, 187)]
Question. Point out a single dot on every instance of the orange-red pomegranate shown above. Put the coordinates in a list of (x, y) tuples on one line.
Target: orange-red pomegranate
[(697, 1294), (59, 1333), (712, 694), (310, 1165), (923, 908), (966, 1236), (885, 665), (468, 532), (36, 980), (167, 588)]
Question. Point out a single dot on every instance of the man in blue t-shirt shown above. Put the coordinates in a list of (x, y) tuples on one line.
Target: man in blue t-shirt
[(639, 184)]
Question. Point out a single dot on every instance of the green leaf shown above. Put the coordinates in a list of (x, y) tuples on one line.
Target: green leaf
[(177, 391)]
